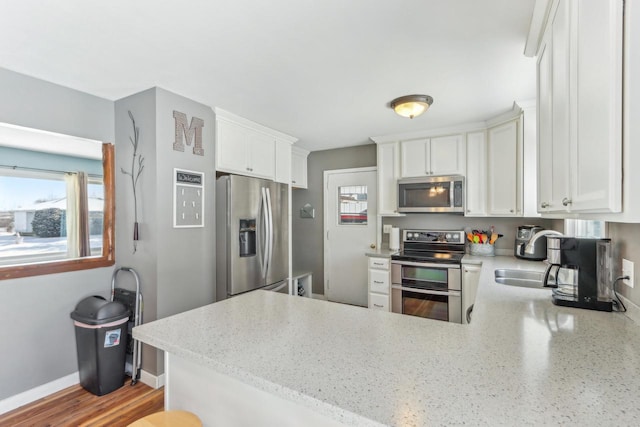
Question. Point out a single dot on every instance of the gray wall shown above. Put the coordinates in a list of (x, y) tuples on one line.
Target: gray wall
[(626, 242), (176, 265), (307, 234), (38, 342)]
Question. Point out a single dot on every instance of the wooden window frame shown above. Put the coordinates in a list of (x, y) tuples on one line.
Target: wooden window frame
[(108, 234)]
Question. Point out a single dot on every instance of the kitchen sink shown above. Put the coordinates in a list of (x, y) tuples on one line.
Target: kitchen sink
[(522, 278)]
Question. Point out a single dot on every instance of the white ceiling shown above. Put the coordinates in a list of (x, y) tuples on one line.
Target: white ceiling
[(323, 71)]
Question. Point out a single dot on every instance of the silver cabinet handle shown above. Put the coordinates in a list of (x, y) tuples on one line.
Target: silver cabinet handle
[(378, 305), (511, 210), (566, 202), (544, 205), (378, 282)]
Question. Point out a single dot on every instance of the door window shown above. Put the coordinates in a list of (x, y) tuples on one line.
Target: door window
[(352, 202)]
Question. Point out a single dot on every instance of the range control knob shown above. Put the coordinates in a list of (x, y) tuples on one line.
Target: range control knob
[(448, 236)]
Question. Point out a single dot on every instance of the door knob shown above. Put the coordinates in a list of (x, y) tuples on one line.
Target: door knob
[(566, 202), (372, 246)]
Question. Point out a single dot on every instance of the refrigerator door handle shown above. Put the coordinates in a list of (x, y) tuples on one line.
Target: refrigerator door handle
[(263, 221), (270, 230)]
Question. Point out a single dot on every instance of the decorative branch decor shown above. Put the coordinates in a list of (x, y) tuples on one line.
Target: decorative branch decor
[(135, 174)]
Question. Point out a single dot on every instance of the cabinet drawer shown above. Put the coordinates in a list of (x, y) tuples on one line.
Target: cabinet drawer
[(379, 263), (379, 281), (379, 302)]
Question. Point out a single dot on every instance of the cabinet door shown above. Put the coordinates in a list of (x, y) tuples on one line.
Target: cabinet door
[(262, 155), (560, 107), (545, 123), (504, 177), (388, 171), (414, 158), (379, 301), (298, 169), (283, 162), (476, 183), (596, 182), (470, 281), (231, 147), (446, 155)]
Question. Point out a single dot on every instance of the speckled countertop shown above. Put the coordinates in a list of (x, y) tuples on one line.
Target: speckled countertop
[(522, 360), (381, 253)]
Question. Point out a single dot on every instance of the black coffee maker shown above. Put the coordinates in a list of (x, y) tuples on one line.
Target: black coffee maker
[(584, 276)]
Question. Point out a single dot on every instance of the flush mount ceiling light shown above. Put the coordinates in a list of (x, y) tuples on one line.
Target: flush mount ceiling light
[(411, 105)]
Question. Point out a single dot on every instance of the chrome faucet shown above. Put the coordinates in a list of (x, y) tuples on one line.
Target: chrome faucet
[(529, 248)]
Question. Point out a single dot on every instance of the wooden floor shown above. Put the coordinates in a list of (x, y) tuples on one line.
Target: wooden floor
[(75, 406)]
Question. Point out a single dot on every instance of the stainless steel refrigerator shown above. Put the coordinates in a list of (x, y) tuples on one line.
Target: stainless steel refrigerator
[(252, 235)]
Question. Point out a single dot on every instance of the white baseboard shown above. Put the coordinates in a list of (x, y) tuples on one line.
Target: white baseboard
[(151, 380), (21, 399)]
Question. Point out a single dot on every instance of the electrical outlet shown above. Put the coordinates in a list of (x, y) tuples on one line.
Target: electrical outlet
[(386, 228), (627, 270)]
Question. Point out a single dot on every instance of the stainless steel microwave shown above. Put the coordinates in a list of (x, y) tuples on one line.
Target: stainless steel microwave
[(431, 194)]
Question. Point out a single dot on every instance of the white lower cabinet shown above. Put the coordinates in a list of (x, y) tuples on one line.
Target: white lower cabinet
[(470, 281), (379, 283)]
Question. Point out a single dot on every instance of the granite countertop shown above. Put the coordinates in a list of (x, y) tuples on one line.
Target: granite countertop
[(381, 253), (522, 360)]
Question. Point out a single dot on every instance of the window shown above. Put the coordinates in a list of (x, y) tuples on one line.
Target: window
[(38, 212), (353, 204), (585, 228), (56, 203)]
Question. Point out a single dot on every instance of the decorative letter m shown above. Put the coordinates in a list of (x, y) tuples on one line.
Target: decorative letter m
[(188, 132)]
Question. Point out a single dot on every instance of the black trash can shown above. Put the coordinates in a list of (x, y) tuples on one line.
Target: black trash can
[(101, 341)]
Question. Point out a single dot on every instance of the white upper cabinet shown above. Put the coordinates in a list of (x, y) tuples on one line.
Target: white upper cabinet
[(388, 174), (504, 171), (247, 148), (476, 182), (283, 161), (580, 108), (446, 155), (442, 155), (299, 167)]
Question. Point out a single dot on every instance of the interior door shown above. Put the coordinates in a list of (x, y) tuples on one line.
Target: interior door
[(350, 216)]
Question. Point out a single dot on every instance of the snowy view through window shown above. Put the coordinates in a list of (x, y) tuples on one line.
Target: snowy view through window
[(33, 218)]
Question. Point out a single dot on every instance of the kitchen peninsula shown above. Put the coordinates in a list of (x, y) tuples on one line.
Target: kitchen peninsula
[(521, 361)]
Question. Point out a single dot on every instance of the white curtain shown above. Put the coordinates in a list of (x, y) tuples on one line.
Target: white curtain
[(77, 215)]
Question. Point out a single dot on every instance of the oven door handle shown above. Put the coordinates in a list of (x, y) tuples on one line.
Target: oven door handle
[(428, 292), (427, 265)]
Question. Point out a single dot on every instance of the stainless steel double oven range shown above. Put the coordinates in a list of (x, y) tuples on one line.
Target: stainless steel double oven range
[(426, 275)]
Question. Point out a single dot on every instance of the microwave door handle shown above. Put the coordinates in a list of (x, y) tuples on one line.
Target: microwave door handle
[(452, 191)]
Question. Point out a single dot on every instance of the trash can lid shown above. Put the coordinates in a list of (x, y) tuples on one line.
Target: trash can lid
[(96, 310)]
